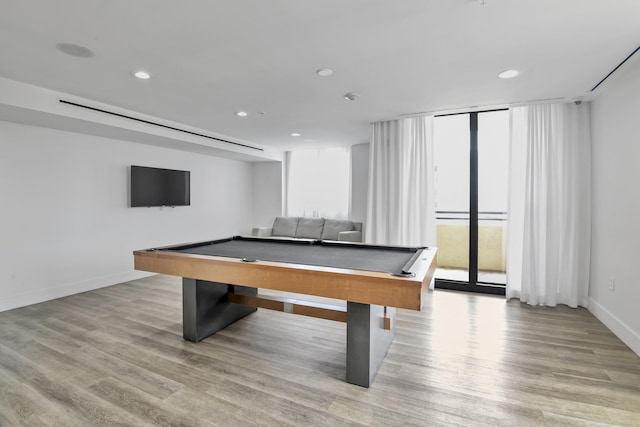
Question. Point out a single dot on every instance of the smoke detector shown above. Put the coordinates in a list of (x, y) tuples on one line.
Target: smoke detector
[(351, 96), (75, 50)]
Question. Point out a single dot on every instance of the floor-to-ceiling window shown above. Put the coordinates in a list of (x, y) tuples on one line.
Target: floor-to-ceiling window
[(471, 159)]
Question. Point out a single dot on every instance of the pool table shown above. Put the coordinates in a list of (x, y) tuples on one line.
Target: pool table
[(221, 279)]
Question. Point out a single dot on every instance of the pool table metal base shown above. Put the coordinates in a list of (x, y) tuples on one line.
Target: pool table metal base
[(367, 341), (206, 310)]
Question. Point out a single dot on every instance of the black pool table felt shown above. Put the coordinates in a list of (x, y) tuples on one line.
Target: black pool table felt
[(355, 257)]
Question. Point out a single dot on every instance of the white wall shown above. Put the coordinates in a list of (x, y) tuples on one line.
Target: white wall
[(267, 193), (616, 205), (66, 226)]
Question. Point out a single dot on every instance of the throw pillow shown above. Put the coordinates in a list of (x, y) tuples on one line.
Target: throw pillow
[(333, 226), (310, 228), (285, 226)]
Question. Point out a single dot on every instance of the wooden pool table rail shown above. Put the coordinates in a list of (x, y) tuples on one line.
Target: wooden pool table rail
[(350, 285), (293, 306)]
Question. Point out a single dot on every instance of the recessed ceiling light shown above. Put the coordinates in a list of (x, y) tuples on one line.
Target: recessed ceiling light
[(75, 50), (241, 113), (351, 96), (142, 75), (508, 74), (324, 72), (295, 134)]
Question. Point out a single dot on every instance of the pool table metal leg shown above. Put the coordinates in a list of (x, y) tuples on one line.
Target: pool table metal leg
[(206, 310), (367, 341)]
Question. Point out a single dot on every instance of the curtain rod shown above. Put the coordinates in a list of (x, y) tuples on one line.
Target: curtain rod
[(480, 108)]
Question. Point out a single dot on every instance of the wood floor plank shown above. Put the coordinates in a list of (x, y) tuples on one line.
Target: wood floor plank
[(68, 400), (220, 412), (16, 400), (115, 356), (286, 410), (145, 406)]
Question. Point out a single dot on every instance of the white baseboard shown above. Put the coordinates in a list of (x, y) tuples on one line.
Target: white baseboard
[(617, 326), (47, 294)]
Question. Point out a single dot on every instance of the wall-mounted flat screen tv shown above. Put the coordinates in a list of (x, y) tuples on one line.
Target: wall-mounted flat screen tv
[(159, 187)]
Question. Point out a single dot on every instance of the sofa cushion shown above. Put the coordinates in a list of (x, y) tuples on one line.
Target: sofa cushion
[(333, 226), (350, 236), (285, 226), (310, 228)]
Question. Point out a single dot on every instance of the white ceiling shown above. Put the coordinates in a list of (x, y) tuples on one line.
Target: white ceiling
[(212, 58)]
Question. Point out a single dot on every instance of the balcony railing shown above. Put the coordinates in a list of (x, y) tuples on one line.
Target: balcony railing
[(453, 240)]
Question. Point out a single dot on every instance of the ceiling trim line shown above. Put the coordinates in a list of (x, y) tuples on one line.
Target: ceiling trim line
[(99, 110), (615, 69)]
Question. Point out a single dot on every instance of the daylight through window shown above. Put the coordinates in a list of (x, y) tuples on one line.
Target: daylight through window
[(318, 183)]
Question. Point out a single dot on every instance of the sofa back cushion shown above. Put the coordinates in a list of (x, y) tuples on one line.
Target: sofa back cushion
[(285, 226), (310, 228), (333, 226)]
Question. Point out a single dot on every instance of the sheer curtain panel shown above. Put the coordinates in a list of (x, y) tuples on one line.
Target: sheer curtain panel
[(401, 202), (549, 229)]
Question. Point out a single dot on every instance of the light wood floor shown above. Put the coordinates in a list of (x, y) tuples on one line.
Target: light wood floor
[(116, 356)]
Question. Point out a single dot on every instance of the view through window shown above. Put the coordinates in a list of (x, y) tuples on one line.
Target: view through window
[(318, 183), (471, 163)]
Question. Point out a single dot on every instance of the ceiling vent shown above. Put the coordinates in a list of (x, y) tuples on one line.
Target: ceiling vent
[(157, 124)]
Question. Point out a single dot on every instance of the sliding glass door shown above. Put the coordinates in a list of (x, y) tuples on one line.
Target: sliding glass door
[(471, 157), (493, 176), (451, 158)]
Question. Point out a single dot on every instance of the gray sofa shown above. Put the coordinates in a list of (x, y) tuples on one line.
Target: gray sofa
[(312, 228)]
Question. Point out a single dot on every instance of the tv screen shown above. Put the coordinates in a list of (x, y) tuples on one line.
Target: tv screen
[(159, 187)]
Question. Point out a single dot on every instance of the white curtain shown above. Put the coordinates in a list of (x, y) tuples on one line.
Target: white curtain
[(549, 229), (401, 202)]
